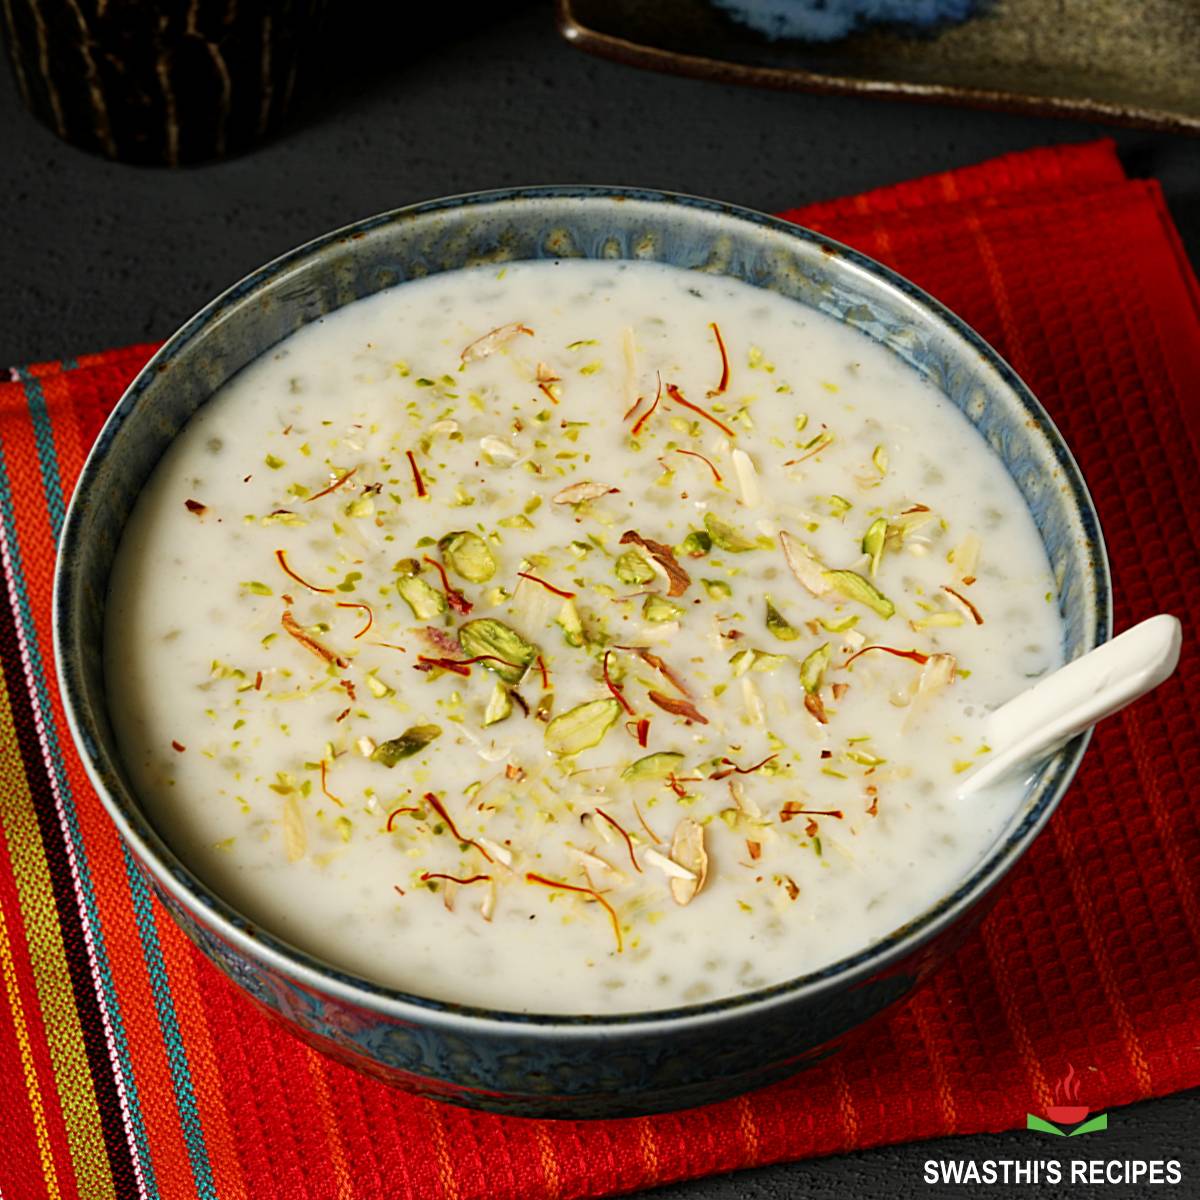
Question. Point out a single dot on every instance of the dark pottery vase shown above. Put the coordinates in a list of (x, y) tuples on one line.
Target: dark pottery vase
[(173, 82)]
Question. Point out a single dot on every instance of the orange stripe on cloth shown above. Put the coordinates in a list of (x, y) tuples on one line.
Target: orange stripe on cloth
[(548, 1155), (333, 1135), (1004, 984), (847, 1110), (748, 1125), (48, 965), (435, 1120), (922, 1010)]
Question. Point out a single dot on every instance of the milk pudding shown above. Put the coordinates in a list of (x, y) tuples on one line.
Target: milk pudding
[(575, 637)]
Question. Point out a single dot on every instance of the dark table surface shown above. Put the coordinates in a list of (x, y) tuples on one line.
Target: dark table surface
[(94, 255)]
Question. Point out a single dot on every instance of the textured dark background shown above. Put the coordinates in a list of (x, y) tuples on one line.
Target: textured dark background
[(408, 107)]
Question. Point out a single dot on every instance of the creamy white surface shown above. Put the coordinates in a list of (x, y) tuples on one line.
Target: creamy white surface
[(346, 390)]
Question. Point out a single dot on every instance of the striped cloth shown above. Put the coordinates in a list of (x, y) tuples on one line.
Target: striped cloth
[(129, 1067)]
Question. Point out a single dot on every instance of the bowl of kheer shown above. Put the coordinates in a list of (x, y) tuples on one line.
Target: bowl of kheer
[(530, 641)]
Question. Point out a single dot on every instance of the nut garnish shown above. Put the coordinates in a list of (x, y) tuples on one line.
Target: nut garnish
[(687, 850)]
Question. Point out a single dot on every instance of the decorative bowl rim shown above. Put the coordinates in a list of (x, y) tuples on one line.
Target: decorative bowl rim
[(275, 953)]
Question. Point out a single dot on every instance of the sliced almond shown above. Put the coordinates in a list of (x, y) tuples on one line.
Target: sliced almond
[(664, 560), (591, 861), (937, 673), (687, 849), (577, 493), (492, 341), (965, 556), (816, 708), (744, 804), (488, 905), (963, 605), (497, 448), (664, 864), (747, 477), (295, 837), (752, 702), (502, 854), (804, 564)]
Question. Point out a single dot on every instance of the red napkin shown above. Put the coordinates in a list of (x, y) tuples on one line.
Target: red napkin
[(130, 1067)]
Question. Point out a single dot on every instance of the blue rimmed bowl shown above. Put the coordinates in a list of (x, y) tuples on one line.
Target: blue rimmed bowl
[(553, 1065)]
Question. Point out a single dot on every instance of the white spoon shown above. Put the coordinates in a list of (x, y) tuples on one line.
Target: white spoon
[(1037, 722)]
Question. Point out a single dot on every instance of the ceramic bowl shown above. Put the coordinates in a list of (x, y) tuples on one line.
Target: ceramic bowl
[(553, 1065)]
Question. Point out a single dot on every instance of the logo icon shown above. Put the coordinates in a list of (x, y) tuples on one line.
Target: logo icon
[(1066, 1110)]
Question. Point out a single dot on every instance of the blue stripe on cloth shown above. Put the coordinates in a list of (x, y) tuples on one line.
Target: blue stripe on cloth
[(181, 1075), (43, 436)]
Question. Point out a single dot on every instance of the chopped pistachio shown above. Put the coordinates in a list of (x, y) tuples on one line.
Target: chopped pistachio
[(865, 758), (838, 624), (654, 766), (410, 742), (632, 568), (726, 536), (874, 541), (697, 544), (499, 705), (854, 587), (741, 662), (571, 623), (467, 554), (657, 609), (755, 660), (778, 625), (486, 635), (582, 727), (425, 600), (717, 589), (939, 620), (762, 661), (812, 669)]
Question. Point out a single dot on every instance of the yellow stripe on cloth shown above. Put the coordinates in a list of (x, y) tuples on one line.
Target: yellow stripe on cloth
[(48, 960), (33, 1090)]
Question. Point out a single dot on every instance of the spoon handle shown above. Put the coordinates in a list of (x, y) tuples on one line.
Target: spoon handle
[(1073, 698)]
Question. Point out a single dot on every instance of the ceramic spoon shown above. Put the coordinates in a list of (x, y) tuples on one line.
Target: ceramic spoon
[(1034, 724)]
